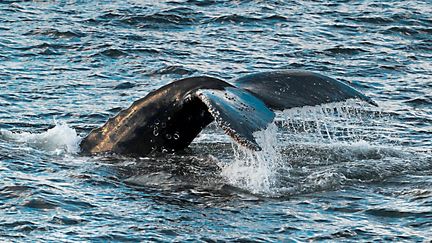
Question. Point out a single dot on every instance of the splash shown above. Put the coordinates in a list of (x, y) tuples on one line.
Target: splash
[(59, 139), (256, 170), (313, 148), (348, 121)]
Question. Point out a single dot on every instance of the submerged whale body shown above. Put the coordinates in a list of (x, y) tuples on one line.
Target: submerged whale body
[(168, 119)]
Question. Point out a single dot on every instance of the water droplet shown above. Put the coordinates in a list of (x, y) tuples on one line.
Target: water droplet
[(176, 136)]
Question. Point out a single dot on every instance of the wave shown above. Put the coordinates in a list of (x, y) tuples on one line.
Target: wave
[(171, 17), (243, 19), (172, 69), (43, 45), (420, 101), (56, 33), (373, 19), (158, 18), (59, 139), (339, 50), (112, 53), (125, 85)]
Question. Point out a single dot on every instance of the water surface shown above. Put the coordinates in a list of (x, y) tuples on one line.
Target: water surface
[(339, 172)]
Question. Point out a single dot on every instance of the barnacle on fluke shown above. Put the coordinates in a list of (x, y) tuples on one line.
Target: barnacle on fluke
[(184, 107)]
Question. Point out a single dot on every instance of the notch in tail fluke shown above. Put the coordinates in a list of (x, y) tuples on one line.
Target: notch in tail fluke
[(238, 113), (168, 119)]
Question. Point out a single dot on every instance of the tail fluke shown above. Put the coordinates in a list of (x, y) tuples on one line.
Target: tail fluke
[(238, 113), (282, 90), (169, 118)]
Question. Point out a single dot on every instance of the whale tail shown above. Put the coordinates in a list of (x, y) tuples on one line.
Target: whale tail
[(169, 118), (238, 113), (287, 89)]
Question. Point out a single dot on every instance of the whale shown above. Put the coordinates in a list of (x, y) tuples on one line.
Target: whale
[(169, 118)]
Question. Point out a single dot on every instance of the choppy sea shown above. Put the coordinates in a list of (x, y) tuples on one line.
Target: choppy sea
[(338, 172)]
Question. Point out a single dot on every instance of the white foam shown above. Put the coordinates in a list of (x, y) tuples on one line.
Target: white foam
[(256, 170), (58, 139), (322, 138)]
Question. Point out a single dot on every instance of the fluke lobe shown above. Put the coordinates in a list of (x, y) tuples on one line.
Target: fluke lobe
[(168, 119)]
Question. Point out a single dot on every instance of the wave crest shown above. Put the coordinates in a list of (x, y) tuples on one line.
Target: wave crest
[(59, 139)]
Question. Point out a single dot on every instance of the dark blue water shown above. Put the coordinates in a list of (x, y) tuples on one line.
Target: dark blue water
[(346, 171)]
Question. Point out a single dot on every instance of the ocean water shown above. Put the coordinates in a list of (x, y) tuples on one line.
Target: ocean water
[(338, 172)]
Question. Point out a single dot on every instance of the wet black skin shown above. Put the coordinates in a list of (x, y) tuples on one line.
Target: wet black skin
[(167, 119), (287, 89)]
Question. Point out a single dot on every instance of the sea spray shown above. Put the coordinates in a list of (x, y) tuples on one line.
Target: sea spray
[(343, 121), (324, 136), (57, 140), (256, 171)]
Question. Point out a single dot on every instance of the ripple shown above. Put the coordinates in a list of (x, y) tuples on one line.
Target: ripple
[(44, 46), (419, 101), (202, 3), (21, 225), (64, 220), (112, 53), (339, 50), (401, 30), (125, 85), (48, 52), (383, 212), (243, 19), (81, 62), (40, 203), (56, 33), (172, 69), (15, 191), (373, 19), (159, 18)]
